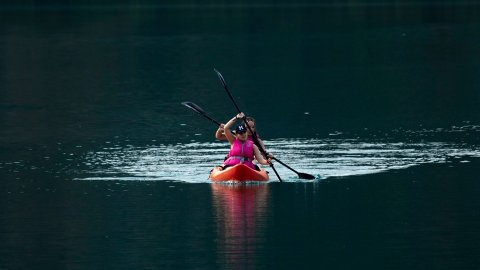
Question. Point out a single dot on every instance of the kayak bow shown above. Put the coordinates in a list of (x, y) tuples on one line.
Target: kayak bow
[(238, 173)]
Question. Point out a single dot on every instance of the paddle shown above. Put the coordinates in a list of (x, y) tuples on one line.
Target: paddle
[(255, 139), (254, 136), (300, 174), (199, 110)]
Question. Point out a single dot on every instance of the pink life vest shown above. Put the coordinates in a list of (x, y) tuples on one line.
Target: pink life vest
[(250, 138), (241, 152)]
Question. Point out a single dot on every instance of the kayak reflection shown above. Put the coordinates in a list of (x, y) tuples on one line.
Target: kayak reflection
[(240, 212)]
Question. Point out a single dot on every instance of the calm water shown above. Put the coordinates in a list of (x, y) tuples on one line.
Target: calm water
[(101, 167)]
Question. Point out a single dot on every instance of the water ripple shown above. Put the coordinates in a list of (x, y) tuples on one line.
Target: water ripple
[(325, 158)]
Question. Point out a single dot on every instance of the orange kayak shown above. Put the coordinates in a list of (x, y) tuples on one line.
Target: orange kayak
[(238, 173)]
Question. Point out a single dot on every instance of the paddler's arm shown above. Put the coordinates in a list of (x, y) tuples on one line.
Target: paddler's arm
[(228, 126), (220, 134), (259, 156), (261, 144)]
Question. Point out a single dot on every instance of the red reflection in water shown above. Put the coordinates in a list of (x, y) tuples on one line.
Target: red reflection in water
[(241, 223)]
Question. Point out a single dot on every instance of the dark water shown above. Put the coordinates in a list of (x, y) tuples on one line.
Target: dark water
[(101, 167)]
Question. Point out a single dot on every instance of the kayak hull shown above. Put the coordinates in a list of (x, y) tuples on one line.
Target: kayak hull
[(238, 173)]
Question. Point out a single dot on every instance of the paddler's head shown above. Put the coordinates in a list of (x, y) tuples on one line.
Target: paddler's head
[(251, 123), (241, 132)]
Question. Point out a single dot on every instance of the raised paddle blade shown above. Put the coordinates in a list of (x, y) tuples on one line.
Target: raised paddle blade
[(226, 89), (194, 107), (221, 78), (199, 110)]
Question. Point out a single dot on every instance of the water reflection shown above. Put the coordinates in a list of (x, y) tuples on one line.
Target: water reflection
[(240, 212)]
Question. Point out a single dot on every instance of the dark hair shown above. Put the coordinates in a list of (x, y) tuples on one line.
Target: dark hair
[(249, 118)]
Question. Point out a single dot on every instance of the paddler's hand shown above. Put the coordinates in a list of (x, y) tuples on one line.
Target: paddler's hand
[(269, 158), (221, 127), (240, 115)]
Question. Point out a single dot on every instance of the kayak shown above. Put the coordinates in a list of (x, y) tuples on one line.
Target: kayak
[(238, 173)]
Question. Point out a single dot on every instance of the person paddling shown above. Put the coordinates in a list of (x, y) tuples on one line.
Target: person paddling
[(220, 133), (242, 150)]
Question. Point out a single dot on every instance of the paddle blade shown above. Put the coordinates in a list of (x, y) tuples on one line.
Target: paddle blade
[(199, 110), (221, 78), (306, 176), (193, 107)]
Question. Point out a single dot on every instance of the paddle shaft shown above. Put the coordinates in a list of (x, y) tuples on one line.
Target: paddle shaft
[(274, 158), (213, 120), (260, 147), (254, 136)]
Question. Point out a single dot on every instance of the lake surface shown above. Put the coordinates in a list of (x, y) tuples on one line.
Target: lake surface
[(101, 167)]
